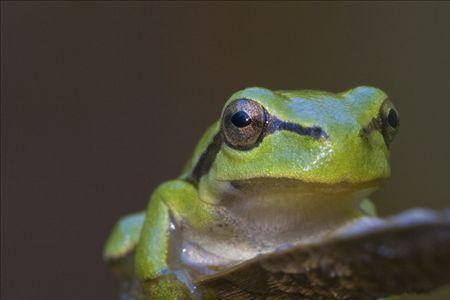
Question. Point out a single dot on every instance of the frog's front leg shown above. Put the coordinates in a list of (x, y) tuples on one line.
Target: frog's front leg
[(173, 200)]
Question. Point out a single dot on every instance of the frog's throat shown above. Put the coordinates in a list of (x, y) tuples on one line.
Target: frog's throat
[(257, 216), (288, 205)]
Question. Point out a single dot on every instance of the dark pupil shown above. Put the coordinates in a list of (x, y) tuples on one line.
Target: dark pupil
[(392, 118), (241, 119)]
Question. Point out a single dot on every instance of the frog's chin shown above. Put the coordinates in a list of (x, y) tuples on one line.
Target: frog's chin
[(300, 194)]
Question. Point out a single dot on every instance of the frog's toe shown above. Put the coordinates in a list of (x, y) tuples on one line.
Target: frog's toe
[(124, 237)]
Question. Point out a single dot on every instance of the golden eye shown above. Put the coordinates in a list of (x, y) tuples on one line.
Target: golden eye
[(243, 121), (390, 121)]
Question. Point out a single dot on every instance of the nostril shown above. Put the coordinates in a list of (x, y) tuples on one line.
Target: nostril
[(317, 132)]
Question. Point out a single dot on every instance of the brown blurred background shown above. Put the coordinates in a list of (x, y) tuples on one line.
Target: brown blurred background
[(102, 101)]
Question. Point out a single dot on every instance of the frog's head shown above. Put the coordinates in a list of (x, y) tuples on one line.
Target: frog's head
[(289, 165), (312, 136)]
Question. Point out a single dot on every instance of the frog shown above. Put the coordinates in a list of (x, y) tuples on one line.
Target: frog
[(278, 168)]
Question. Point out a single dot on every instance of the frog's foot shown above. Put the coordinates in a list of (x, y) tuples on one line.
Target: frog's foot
[(171, 285)]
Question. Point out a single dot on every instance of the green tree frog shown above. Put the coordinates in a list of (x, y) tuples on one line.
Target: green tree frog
[(279, 168)]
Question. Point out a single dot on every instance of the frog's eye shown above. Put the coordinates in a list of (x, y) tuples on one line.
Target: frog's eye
[(243, 122), (390, 121)]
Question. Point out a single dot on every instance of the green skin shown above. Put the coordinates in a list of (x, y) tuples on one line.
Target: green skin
[(286, 189)]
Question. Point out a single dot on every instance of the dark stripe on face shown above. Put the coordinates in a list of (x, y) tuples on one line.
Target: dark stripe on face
[(375, 124), (205, 161), (271, 125), (275, 124)]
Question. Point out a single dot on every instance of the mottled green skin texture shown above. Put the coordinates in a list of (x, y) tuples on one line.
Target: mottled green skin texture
[(343, 157)]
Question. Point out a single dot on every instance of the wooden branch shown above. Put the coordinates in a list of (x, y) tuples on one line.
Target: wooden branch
[(372, 258)]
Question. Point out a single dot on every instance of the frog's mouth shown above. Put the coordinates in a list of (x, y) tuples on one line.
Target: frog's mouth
[(288, 184)]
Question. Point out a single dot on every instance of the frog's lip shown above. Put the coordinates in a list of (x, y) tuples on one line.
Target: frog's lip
[(286, 182)]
